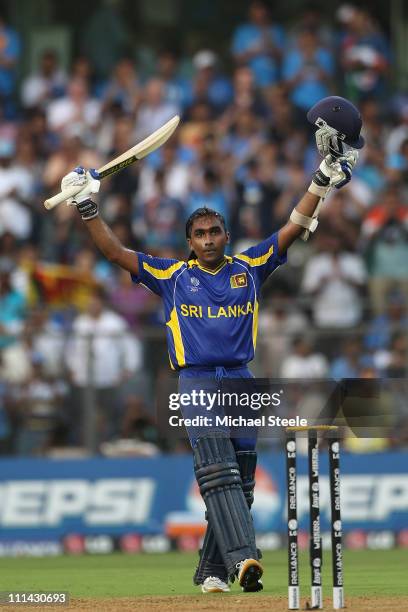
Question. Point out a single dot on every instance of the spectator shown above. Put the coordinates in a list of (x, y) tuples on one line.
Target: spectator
[(139, 435), (254, 213), (16, 192), (157, 221), (72, 147), (9, 56), (176, 173), (38, 408), (19, 357), (153, 110), (385, 324), (312, 18), (123, 88), (12, 303), (244, 139), (259, 44), (137, 422), (284, 128), (397, 164), (303, 362), (308, 71), (365, 55), (103, 353), (341, 215), (115, 137), (334, 280), (384, 231), (83, 70), (398, 357), (176, 88), (131, 301), (197, 130), (350, 361), (77, 109), (293, 179), (208, 85), (208, 193), (399, 133), (48, 340), (279, 323), (246, 95), (45, 85), (371, 175), (36, 129), (375, 127)]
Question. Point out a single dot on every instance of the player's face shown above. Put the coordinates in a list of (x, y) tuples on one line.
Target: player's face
[(208, 240)]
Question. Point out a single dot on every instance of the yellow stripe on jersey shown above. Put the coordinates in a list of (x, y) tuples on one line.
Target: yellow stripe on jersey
[(256, 261), (255, 323), (178, 341), (163, 274)]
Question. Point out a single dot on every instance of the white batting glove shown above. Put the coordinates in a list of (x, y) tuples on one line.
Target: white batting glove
[(79, 177), (341, 169), (333, 172)]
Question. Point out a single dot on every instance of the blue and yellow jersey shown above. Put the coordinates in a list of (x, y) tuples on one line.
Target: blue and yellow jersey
[(211, 315)]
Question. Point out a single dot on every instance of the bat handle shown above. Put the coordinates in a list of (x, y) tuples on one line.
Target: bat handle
[(62, 196)]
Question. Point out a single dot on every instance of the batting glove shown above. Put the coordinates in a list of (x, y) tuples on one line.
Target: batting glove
[(89, 182), (335, 172)]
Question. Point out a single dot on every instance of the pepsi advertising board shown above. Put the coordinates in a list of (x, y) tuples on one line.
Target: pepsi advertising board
[(48, 499)]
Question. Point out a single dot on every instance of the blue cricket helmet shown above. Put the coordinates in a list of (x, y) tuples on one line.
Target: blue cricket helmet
[(341, 115)]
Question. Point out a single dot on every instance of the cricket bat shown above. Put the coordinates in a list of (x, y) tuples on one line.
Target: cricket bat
[(139, 151)]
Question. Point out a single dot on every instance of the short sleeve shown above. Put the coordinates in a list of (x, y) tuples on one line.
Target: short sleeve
[(12, 49), (263, 258), (291, 65), (240, 41), (326, 61), (157, 273)]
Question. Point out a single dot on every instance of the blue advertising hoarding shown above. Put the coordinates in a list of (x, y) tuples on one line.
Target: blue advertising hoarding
[(48, 499)]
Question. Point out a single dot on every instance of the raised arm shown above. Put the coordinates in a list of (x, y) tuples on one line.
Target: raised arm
[(291, 231), (304, 217), (110, 246), (101, 234)]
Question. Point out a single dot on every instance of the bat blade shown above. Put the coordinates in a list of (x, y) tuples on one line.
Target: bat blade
[(139, 151)]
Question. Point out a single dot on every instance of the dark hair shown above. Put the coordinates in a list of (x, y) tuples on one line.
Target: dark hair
[(200, 213)]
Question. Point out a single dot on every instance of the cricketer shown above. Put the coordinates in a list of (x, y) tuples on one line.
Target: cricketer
[(211, 309)]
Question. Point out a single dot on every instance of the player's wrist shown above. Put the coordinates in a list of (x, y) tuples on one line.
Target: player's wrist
[(88, 209), (320, 181), (318, 190)]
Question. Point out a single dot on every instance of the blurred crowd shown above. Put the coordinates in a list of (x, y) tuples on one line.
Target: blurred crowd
[(67, 317)]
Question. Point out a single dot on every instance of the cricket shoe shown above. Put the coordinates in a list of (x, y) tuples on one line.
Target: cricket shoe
[(254, 588), (212, 584), (249, 571)]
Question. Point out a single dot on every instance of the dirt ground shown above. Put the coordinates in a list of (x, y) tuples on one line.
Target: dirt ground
[(205, 603)]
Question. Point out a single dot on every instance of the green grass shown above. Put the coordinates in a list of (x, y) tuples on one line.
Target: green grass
[(366, 573)]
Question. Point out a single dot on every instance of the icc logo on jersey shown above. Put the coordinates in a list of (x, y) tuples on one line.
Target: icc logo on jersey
[(195, 282)]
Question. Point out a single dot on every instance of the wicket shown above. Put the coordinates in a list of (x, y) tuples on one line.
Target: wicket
[(316, 555)]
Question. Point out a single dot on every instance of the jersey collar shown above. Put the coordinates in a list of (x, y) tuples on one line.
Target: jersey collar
[(194, 262)]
